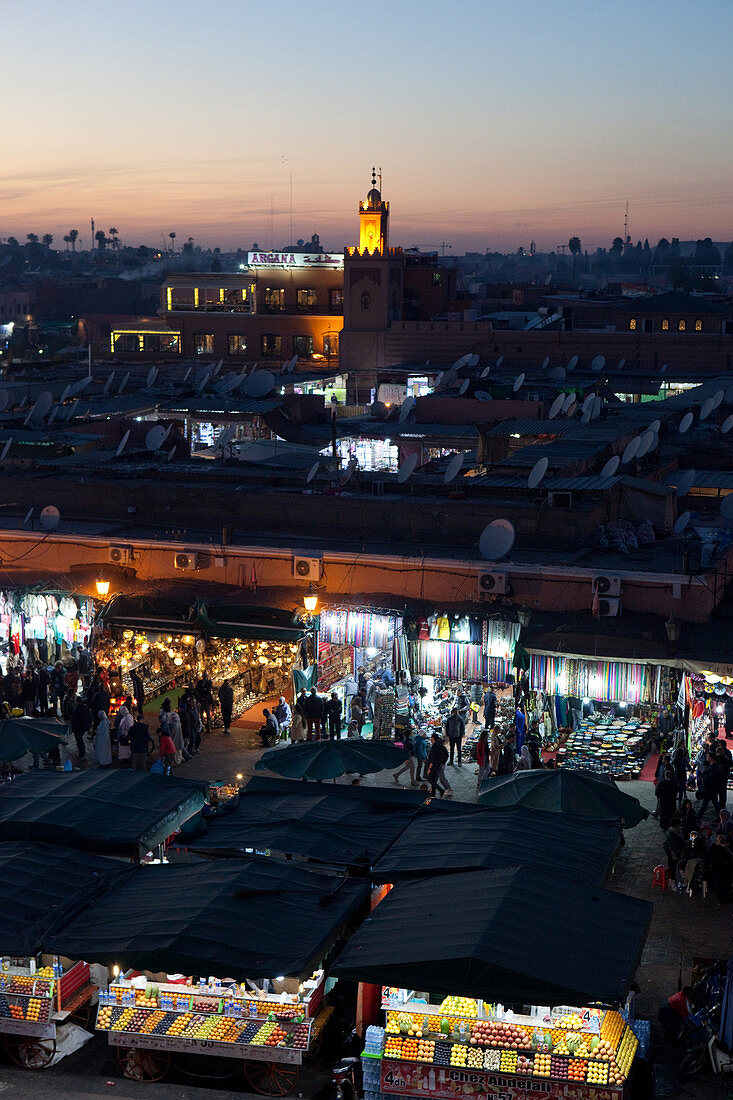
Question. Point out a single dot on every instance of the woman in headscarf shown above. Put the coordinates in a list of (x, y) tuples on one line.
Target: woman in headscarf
[(495, 750), (102, 741), (525, 760), (175, 729), (124, 725)]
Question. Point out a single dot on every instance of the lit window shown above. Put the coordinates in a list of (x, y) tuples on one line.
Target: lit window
[(305, 298), (237, 345), (274, 299), (336, 300), (203, 343), (632, 324), (303, 345), (665, 325), (681, 325), (698, 326), (272, 345), (125, 342), (331, 344)]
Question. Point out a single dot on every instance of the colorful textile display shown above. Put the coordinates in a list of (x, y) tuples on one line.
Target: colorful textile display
[(603, 680), (358, 628)]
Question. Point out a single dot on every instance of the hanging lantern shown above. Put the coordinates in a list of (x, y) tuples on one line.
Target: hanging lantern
[(127, 635), (171, 653), (178, 661), (145, 647)]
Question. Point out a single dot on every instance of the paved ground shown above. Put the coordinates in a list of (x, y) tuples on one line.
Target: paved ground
[(682, 928)]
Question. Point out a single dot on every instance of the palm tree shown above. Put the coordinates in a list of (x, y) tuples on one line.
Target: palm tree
[(32, 238), (114, 234), (574, 246), (47, 239), (13, 242), (73, 234), (173, 241), (67, 241), (100, 239)]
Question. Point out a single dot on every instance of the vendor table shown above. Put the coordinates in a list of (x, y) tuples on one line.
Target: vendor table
[(32, 1005)]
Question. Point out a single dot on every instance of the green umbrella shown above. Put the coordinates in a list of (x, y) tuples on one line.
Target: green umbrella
[(21, 735), (327, 759), (563, 791)]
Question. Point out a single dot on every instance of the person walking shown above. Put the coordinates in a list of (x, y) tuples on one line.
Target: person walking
[(437, 758), (507, 756), (495, 751), (314, 715), (420, 746), (680, 767), (167, 751), (204, 692), (226, 705), (175, 729), (44, 684), (298, 724), (455, 729), (28, 693), (138, 691), (409, 764), (724, 760), (141, 743), (708, 787), (666, 793), (333, 716), (81, 724), (102, 741), (489, 707), (356, 716), (284, 716), (463, 703)]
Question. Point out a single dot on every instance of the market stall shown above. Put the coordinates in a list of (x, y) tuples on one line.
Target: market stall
[(563, 791), (353, 642), (41, 887), (171, 644), (181, 923), (480, 1006), (42, 626), (125, 813)]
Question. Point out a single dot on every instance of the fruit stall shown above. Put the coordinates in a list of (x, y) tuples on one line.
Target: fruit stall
[(467, 1047), (270, 1033), (34, 1001)]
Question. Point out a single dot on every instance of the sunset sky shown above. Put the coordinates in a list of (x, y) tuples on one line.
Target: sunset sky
[(495, 122)]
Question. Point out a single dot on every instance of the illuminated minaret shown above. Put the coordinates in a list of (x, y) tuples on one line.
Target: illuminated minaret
[(374, 220)]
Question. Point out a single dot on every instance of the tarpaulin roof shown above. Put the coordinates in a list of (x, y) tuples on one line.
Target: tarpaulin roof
[(501, 838), (100, 811), (563, 791), (220, 620), (517, 935), (42, 887), (327, 759), (324, 824), (233, 918), (21, 735)]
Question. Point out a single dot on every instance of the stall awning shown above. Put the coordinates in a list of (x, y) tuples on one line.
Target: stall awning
[(309, 820), (501, 838), (232, 918), (564, 791), (98, 811), (266, 624), (518, 936), (42, 887)]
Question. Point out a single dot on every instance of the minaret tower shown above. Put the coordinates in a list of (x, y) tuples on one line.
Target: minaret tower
[(374, 220)]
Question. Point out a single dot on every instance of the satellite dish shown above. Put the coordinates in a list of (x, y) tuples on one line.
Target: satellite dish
[(587, 415), (124, 382), (50, 517), (729, 396), (727, 424), (260, 384), (686, 422), (685, 482), (568, 402), (406, 408), (204, 381), (153, 374), (406, 469), (572, 362), (588, 403), (156, 437), (598, 363), (663, 369), (611, 466), (473, 360), (453, 468), (557, 374), (654, 443), (23, 401), (65, 394), (348, 472), (726, 508), (485, 372), (107, 385), (217, 368), (622, 364), (225, 437), (28, 517), (122, 444), (545, 363), (632, 449), (41, 408), (646, 439), (518, 382), (312, 472), (483, 395), (681, 523), (52, 417), (187, 375), (439, 380), (462, 362), (537, 472), (77, 387), (6, 448), (718, 397), (496, 539), (71, 410), (597, 406), (707, 408), (228, 383), (499, 361), (655, 426), (463, 386), (171, 452), (556, 405)]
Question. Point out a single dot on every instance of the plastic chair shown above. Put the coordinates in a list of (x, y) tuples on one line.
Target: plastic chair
[(661, 877)]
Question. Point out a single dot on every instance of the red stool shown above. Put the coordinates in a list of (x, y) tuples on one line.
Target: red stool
[(661, 876)]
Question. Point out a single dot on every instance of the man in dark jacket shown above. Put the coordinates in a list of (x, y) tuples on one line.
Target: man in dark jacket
[(141, 743), (437, 758), (81, 723), (333, 714), (724, 760), (709, 778), (268, 731), (44, 683), (205, 697), (490, 707), (455, 728), (226, 703), (138, 690), (314, 714), (507, 756)]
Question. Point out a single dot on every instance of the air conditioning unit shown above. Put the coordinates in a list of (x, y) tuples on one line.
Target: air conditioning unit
[(492, 584), (609, 608), (607, 586), (307, 569), (186, 560), (560, 500), (120, 555)]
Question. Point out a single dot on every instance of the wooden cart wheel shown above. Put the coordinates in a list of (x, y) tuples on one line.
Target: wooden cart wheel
[(144, 1065), (29, 1052), (272, 1078)]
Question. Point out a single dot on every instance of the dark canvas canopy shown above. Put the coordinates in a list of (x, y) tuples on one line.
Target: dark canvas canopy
[(518, 935), (218, 620), (42, 886), (322, 823), (327, 759), (100, 811), (501, 838), (232, 918), (564, 791)]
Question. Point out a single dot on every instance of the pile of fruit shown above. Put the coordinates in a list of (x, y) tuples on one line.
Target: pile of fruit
[(393, 1046), (425, 1050), (21, 983), (4, 1007), (559, 1067), (461, 1007), (38, 1009), (492, 1059), (612, 1027), (475, 1058), (263, 1033), (597, 1073), (442, 1054), (542, 1065), (572, 1022), (458, 1054), (601, 1050), (123, 1020), (250, 1030), (576, 1069), (409, 1050), (626, 1051), (525, 1065), (300, 1037), (490, 1033), (16, 1011), (205, 1004), (508, 1061), (148, 997)]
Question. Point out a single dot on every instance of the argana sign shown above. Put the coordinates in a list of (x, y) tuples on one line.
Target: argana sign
[(333, 260)]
